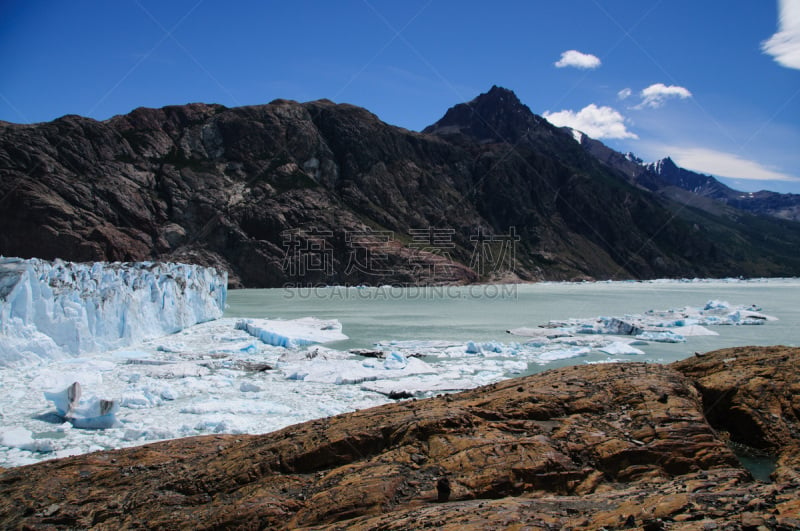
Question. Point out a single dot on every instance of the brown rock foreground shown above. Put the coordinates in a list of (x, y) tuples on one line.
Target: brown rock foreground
[(616, 446)]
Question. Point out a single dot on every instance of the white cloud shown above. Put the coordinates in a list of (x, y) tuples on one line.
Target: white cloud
[(578, 59), (655, 95), (724, 164), (784, 46), (597, 122), (624, 93)]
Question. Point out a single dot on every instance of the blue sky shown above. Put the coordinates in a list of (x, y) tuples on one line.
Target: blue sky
[(714, 84)]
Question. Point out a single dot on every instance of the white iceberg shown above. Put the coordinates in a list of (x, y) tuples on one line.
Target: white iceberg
[(489, 347), (293, 333), (563, 354), (661, 326), (94, 413), (616, 348), (667, 336), (696, 330)]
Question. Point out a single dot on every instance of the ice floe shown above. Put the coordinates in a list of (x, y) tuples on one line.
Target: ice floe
[(293, 333)]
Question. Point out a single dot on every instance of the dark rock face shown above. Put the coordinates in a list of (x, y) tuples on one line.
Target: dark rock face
[(497, 116), (325, 193), (585, 447)]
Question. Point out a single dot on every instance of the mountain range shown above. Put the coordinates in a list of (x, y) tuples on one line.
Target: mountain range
[(666, 178), (325, 193)]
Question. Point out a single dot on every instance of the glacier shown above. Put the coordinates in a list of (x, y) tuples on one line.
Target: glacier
[(55, 310)]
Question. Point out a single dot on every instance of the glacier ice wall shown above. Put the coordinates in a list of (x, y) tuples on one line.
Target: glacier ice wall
[(58, 309)]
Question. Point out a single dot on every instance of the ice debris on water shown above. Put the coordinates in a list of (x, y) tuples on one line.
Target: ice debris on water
[(259, 375), (662, 326)]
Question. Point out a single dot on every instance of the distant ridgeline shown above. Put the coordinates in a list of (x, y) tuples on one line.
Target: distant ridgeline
[(59, 309), (320, 193)]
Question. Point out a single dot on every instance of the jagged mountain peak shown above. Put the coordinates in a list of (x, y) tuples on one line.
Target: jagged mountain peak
[(631, 156), (665, 177), (494, 116), (665, 165), (499, 95), (668, 173)]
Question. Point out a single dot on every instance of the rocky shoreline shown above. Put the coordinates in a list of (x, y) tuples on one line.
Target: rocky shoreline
[(612, 446)]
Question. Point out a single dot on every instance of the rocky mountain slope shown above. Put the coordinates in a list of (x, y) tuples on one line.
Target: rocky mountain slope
[(783, 206), (325, 193), (614, 446), (666, 178)]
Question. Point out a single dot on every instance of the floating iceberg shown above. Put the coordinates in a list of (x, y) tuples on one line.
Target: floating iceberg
[(473, 348), (563, 354), (618, 347), (293, 333), (484, 348), (93, 414), (716, 305), (51, 310)]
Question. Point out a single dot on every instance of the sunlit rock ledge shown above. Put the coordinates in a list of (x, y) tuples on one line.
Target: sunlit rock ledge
[(51, 310)]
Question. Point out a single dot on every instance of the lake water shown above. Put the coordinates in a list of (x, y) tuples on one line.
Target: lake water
[(485, 313)]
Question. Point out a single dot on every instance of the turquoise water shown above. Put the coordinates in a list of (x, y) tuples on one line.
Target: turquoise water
[(484, 313), (760, 467)]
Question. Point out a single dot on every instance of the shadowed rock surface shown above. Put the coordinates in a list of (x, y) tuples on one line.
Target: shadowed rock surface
[(615, 446), (327, 193)]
